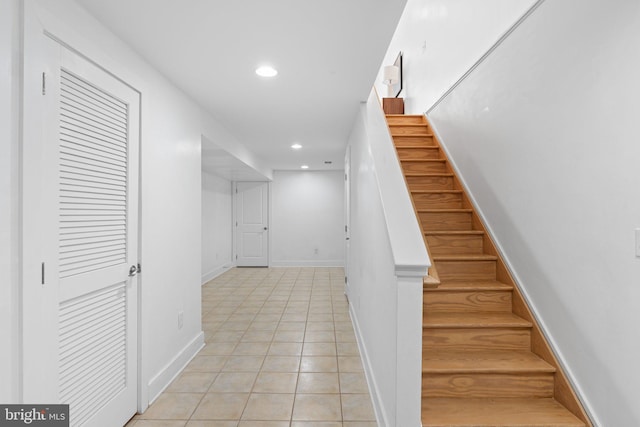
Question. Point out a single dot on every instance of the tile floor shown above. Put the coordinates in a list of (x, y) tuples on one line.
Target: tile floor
[(280, 352)]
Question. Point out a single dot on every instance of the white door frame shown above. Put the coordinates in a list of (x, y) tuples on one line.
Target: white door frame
[(37, 24), (234, 236)]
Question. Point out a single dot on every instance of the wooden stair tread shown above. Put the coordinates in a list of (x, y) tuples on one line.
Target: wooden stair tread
[(416, 147), (427, 174), (430, 282), (471, 286), (512, 412), (496, 362), (453, 232), (450, 210), (436, 191), (453, 320), (479, 257)]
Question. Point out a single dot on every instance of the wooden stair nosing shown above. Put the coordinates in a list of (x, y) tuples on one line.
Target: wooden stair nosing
[(453, 232), (474, 320), (471, 286), (464, 257)]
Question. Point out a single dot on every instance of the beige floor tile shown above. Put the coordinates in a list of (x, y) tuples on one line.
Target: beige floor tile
[(318, 382), (218, 349), (318, 364), (281, 364), (292, 326), (294, 317), (315, 424), (269, 407), (317, 407), (350, 364), (205, 363), (173, 406), (267, 318), (263, 326), (276, 382), (347, 349), (285, 349), (345, 336), (192, 382), (263, 424), (360, 424), (210, 423), (243, 364), (319, 349), (257, 336), (288, 336), (221, 406), (251, 349), (320, 336), (235, 326), (226, 336), (238, 382), (159, 423), (353, 382), (320, 326), (357, 407), (320, 317), (344, 326)]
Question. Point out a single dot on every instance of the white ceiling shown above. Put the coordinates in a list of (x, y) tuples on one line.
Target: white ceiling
[(327, 53)]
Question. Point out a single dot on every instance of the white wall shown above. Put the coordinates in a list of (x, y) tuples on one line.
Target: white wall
[(216, 226), (9, 116), (307, 215), (172, 128), (441, 40), (545, 134)]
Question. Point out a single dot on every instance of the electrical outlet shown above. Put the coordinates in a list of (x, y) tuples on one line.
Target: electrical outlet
[(180, 319), (638, 242)]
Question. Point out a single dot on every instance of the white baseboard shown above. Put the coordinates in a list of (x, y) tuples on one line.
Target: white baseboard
[(381, 416), (308, 263), (162, 380), (215, 273)]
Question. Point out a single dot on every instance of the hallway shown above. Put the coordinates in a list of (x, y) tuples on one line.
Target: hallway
[(280, 352)]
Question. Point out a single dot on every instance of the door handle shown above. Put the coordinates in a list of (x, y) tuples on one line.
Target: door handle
[(133, 270), (266, 228)]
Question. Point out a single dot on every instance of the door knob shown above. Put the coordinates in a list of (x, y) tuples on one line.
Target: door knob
[(133, 271), (266, 228)]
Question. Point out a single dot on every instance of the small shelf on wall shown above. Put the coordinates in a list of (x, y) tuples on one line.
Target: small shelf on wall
[(393, 105)]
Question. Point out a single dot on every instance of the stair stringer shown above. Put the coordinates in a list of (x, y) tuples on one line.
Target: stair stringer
[(564, 387)]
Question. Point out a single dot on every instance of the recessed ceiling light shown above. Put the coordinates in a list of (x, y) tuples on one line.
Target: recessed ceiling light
[(304, 167), (296, 146), (266, 71)]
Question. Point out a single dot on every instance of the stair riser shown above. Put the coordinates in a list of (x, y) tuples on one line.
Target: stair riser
[(431, 183), (466, 244), (422, 153), (466, 271), (423, 167), (473, 385), (491, 301), (406, 120), (444, 221), (409, 130), (414, 141), (468, 339), (437, 200)]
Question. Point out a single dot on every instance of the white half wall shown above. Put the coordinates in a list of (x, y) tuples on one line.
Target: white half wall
[(441, 40), (217, 209), (307, 218), (545, 134), (9, 199)]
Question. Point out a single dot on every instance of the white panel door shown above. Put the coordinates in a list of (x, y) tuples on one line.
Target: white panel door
[(91, 155), (252, 224)]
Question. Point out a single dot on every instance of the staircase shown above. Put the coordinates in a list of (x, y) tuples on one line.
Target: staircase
[(485, 360)]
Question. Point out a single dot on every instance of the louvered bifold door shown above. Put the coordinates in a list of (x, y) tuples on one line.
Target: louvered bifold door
[(97, 235)]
